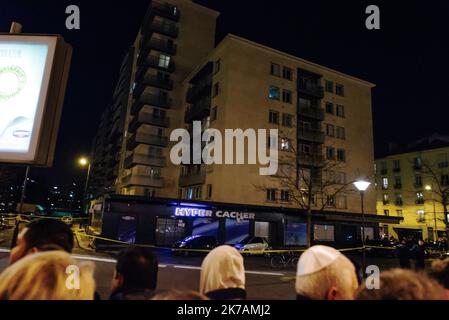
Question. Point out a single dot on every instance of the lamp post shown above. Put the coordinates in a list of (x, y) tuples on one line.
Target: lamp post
[(83, 161), (362, 185), (429, 188)]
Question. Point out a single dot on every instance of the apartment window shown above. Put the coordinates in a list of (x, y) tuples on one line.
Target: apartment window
[(419, 198), (417, 163), (385, 183), (385, 199), (275, 70), (287, 120), (216, 89), (421, 215), (330, 153), (383, 167), (329, 108), (397, 182), (271, 194), (386, 213), (305, 148), (329, 86), (341, 134), (396, 166), (164, 61), (341, 111), (442, 160), (445, 180), (209, 191), (341, 155), (274, 93), (217, 66), (287, 96), (398, 200), (287, 73), (273, 117), (339, 90), (399, 213), (331, 201), (330, 130), (418, 181), (285, 195), (285, 144), (213, 114), (342, 202)]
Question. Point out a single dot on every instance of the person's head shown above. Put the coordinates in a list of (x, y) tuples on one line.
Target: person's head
[(136, 268), (401, 284), (325, 274), (420, 242), (222, 269), (440, 272), (52, 275), (180, 295), (42, 235)]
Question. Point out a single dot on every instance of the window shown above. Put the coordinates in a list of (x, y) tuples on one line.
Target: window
[(385, 199), (419, 198), (386, 213), (398, 200), (217, 66), (273, 117), (271, 194), (287, 96), (209, 191), (341, 155), (341, 111), (341, 134), (287, 73), (396, 165), (418, 181), (216, 89), (285, 195), (445, 180), (164, 61), (417, 163), (385, 183), (329, 108), (323, 233), (399, 213), (330, 153), (330, 130), (213, 114), (442, 160), (274, 93), (331, 201), (285, 144), (421, 216), (329, 86), (397, 182), (339, 90), (342, 202), (305, 148), (287, 120), (275, 70)]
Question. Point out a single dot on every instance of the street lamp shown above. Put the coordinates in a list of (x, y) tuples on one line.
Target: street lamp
[(429, 188), (362, 185), (83, 161)]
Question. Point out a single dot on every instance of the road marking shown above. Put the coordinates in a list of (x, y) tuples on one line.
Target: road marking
[(187, 267)]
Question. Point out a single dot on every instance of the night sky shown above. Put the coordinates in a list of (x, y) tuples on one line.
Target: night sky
[(408, 58)]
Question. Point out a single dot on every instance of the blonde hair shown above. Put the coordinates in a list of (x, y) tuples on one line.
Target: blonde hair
[(46, 276), (340, 274)]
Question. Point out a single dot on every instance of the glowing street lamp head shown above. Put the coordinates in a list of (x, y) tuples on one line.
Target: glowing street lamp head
[(83, 161), (362, 185), (428, 188)]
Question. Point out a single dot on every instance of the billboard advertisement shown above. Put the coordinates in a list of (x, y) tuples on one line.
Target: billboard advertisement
[(31, 70)]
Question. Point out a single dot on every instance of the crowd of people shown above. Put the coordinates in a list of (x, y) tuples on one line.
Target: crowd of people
[(41, 268)]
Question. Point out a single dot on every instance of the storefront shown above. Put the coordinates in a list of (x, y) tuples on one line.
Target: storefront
[(162, 222)]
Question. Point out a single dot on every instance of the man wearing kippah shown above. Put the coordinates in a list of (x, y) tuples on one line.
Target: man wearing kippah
[(325, 274)]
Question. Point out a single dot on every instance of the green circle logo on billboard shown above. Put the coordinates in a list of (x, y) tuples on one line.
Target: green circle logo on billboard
[(13, 80)]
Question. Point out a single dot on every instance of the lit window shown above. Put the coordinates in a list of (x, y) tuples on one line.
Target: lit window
[(385, 183), (274, 93), (285, 144), (164, 61)]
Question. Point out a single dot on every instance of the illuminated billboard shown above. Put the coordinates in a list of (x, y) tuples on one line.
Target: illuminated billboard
[(33, 76)]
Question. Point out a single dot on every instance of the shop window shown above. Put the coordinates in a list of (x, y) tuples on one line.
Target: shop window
[(205, 227), (236, 231), (168, 231), (262, 229), (369, 232), (295, 234), (127, 229), (323, 232)]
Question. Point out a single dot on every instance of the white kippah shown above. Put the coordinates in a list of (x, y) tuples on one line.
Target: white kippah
[(316, 258)]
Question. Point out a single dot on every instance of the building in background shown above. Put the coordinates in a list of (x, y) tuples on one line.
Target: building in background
[(410, 184)]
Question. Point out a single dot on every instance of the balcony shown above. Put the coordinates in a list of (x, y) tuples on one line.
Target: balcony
[(147, 118), (196, 91), (417, 167), (398, 186), (418, 185), (146, 181), (148, 44), (311, 112), (150, 99), (145, 160), (147, 139), (163, 10), (311, 89), (311, 135), (310, 159), (396, 170), (154, 81), (419, 201), (386, 202), (154, 62), (197, 111), (384, 171), (193, 178)]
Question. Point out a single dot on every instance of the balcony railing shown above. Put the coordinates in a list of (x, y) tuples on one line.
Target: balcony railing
[(147, 118), (193, 178), (311, 89), (197, 111), (311, 135), (398, 186), (157, 81), (396, 170), (311, 112), (145, 160), (150, 99), (310, 159), (146, 181), (146, 44), (164, 10), (198, 89), (419, 201), (147, 139)]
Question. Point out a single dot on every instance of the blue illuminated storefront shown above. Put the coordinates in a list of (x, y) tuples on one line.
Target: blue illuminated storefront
[(162, 222)]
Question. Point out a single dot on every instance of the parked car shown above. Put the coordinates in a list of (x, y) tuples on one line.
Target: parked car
[(252, 244), (197, 242)]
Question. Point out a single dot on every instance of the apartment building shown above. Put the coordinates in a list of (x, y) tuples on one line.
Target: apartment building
[(410, 182)]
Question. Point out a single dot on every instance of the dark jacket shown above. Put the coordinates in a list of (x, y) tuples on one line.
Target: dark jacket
[(132, 294), (403, 254), (227, 294), (420, 256)]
